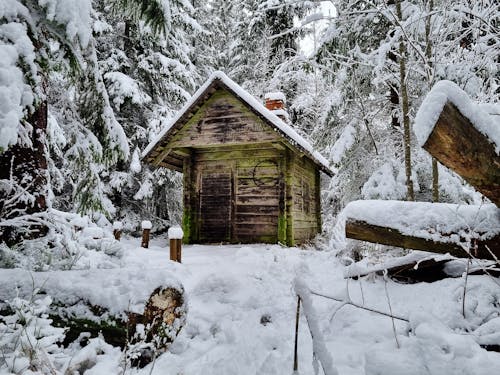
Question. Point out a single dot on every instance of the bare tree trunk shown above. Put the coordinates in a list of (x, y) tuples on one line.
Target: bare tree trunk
[(410, 196), (428, 55), (394, 96)]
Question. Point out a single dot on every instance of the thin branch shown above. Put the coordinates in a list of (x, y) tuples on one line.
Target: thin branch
[(359, 306)]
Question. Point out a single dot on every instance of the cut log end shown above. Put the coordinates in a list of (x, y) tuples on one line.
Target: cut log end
[(457, 144), (144, 336), (164, 315)]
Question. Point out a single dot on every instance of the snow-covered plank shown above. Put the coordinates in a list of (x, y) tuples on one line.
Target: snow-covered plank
[(434, 227), (463, 136)]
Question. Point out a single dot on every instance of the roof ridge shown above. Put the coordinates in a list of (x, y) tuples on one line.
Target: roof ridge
[(251, 101)]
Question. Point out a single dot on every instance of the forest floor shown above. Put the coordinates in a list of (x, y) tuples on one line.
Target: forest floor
[(242, 307)]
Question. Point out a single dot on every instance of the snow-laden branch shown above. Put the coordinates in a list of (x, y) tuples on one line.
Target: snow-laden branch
[(319, 347)]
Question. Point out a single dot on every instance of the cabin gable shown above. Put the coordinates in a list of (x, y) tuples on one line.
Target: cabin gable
[(223, 120)]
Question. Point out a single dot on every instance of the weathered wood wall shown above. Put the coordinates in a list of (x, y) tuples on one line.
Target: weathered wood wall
[(223, 120), (236, 195), (305, 210)]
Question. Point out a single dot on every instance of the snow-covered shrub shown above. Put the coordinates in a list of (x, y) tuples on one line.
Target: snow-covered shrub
[(72, 242), (28, 341)]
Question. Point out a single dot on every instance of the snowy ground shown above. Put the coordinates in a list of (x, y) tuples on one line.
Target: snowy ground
[(231, 289), (242, 306)]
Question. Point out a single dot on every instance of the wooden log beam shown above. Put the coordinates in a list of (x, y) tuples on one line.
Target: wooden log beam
[(363, 231), (457, 144)]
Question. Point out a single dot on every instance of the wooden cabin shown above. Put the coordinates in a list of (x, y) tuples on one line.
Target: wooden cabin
[(248, 176)]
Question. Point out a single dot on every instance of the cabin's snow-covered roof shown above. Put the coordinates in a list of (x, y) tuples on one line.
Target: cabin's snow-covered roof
[(286, 130), (484, 117)]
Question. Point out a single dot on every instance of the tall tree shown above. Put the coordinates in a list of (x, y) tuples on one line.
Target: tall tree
[(32, 31)]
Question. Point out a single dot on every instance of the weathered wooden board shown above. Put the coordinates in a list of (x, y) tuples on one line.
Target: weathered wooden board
[(458, 145), (304, 207), (215, 206), (257, 203)]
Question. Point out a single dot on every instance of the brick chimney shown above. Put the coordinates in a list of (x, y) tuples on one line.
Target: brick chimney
[(275, 102)]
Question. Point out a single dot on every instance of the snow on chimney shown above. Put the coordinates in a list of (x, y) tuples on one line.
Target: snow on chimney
[(275, 102)]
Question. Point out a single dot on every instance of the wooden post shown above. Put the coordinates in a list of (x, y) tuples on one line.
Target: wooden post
[(295, 356), (175, 235), (117, 230), (146, 228)]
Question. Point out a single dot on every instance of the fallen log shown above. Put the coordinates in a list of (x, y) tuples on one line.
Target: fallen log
[(363, 231), (163, 317), (112, 303), (419, 266), (436, 227)]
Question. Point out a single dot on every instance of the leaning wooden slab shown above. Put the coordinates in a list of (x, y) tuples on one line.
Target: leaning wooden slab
[(463, 136), (460, 230)]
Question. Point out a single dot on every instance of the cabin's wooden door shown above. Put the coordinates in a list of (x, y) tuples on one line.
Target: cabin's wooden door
[(215, 206), (257, 198)]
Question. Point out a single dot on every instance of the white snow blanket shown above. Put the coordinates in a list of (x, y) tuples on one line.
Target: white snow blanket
[(242, 308)]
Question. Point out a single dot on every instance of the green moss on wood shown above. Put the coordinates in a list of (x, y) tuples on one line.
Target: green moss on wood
[(282, 224), (187, 226)]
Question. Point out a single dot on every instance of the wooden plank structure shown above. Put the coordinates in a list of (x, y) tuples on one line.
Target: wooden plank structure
[(462, 147), (458, 145), (248, 177)]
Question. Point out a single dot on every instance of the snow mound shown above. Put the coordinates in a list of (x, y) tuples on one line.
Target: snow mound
[(277, 95)]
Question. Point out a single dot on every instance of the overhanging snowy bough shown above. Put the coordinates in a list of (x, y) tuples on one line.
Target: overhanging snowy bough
[(464, 137)]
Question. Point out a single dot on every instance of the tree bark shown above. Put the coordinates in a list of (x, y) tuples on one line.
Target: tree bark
[(410, 196), (428, 55)]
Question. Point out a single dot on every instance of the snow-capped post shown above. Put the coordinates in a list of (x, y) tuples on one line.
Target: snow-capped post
[(117, 230), (146, 228), (175, 235)]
